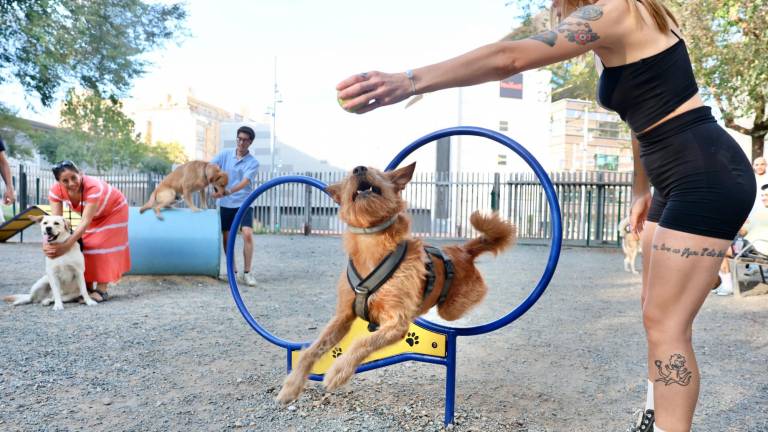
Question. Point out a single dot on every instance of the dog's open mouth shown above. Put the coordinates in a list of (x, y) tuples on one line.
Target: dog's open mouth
[(52, 237), (365, 189)]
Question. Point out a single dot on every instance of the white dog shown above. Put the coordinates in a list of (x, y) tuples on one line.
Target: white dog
[(64, 280)]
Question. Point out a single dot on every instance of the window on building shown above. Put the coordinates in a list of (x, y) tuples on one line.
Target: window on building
[(605, 162), (501, 160), (503, 125)]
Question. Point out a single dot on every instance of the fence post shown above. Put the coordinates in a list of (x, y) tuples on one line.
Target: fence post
[(307, 210), (589, 215), (37, 190), (495, 191), (23, 197), (600, 206), (150, 186)]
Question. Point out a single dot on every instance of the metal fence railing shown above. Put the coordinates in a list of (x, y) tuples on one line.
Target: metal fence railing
[(592, 203)]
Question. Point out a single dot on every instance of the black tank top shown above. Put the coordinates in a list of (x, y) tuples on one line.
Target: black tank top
[(646, 91)]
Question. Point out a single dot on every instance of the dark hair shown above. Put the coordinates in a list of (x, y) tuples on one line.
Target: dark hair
[(247, 130), (64, 165), (764, 187)]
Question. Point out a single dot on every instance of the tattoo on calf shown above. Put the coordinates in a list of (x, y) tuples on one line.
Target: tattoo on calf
[(674, 372), (688, 252), (548, 37), (589, 13)]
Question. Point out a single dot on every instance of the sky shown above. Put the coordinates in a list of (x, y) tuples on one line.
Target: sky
[(228, 59)]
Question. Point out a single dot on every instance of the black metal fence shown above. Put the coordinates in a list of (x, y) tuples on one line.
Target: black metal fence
[(592, 203)]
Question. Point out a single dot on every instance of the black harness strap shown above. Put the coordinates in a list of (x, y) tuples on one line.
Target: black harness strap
[(449, 272), (365, 287)]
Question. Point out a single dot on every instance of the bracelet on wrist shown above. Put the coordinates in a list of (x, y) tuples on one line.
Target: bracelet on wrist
[(409, 74)]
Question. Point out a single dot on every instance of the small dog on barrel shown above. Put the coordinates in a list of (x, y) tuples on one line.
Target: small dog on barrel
[(392, 278), (183, 181)]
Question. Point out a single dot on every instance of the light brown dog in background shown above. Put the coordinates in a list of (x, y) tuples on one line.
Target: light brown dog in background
[(367, 198), (184, 180), (630, 244)]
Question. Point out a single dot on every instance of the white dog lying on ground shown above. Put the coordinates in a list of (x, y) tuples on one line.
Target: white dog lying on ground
[(64, 280)]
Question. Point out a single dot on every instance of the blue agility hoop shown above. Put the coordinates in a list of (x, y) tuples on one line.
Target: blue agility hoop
[(451, 333), (554, 211)]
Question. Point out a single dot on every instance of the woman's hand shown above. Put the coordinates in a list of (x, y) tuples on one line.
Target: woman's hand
[(365, 92), (639, 212), (55, 250)]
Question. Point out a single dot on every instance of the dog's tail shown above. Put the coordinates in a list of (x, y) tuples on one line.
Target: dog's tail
[(149, 203), (18, 299), (495, 234)]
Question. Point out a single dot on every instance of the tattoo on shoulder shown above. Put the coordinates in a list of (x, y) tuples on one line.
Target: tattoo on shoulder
[(589, 13), (674, 372), (578, 32), (549, 37)]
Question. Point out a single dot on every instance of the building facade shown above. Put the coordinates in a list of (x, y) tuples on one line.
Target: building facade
[(587, 137)]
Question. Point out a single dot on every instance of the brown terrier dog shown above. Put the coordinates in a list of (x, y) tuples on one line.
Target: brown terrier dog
[(371, 205), (187, 178)]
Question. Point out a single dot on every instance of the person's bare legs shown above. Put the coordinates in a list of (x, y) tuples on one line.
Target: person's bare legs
[(682, 269), (224, 240), (247, 247)]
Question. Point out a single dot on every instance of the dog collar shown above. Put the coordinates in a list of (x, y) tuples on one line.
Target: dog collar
[(374, 229)]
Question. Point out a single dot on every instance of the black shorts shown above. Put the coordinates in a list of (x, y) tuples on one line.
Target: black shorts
[(227, 215), (703, 182)]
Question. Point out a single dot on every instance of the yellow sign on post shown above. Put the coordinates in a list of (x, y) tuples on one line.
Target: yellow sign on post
[(417, 340)]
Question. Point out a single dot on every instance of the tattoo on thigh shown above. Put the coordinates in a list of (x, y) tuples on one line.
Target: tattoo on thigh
[(687, 252), (548, 37), (674, 372)]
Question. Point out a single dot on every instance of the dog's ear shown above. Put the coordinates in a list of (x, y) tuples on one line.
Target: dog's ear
[(401, 176), (334, 191), (67, 225), (36, 219)]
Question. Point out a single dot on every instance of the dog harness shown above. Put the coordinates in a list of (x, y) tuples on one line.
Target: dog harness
[(364, 288)]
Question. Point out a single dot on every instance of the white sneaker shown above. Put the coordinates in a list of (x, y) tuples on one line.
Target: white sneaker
[(750, 271), (726, 285), (248, 279)]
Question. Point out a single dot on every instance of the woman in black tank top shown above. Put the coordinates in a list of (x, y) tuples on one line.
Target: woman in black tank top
[(703, 182)]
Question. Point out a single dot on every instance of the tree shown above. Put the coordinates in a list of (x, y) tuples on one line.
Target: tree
[(12, 127), (161, 156), (95, 133), (727, 44), (97, 44)]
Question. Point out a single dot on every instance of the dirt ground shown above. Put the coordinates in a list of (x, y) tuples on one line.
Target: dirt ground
[(173, 353)]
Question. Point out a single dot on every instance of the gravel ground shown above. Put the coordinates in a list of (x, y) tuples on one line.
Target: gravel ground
[(173, 353)]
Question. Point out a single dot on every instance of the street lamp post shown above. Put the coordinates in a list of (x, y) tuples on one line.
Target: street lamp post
[(272, 111)]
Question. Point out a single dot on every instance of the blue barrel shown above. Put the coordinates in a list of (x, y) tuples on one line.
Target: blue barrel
[(185, 243)]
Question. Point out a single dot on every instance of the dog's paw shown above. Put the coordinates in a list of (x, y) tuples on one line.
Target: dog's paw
[(90, 302), (46, 302), (58, 307), (291, 390), (635, 271), (337, 376)]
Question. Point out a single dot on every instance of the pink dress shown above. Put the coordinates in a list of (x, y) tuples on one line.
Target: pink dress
[(105, 241)]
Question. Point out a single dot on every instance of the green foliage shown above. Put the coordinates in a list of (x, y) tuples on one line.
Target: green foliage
[(726, 39), (12, 127), (98, 44), (161, 156)]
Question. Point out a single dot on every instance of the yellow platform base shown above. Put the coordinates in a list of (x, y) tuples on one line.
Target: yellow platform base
[(21, 221), (417, 340)]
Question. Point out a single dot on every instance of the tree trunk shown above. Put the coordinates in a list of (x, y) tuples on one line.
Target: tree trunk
[(758, 144)]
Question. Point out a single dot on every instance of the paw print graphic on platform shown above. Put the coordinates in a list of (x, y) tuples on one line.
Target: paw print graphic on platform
[(336, 352), (412, 339)]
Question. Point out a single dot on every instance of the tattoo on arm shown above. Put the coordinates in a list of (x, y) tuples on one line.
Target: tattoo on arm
[(687, 252), (589, 13), (548, 37), (674, 372), (574, 28), (578, 32)]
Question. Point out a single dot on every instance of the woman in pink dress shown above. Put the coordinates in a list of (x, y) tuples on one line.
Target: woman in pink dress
[(103, 227)]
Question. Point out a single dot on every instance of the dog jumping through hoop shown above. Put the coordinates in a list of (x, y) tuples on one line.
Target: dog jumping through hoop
[(392, 278)]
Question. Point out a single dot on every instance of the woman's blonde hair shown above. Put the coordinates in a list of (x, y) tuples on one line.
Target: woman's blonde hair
[(658, 11)]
